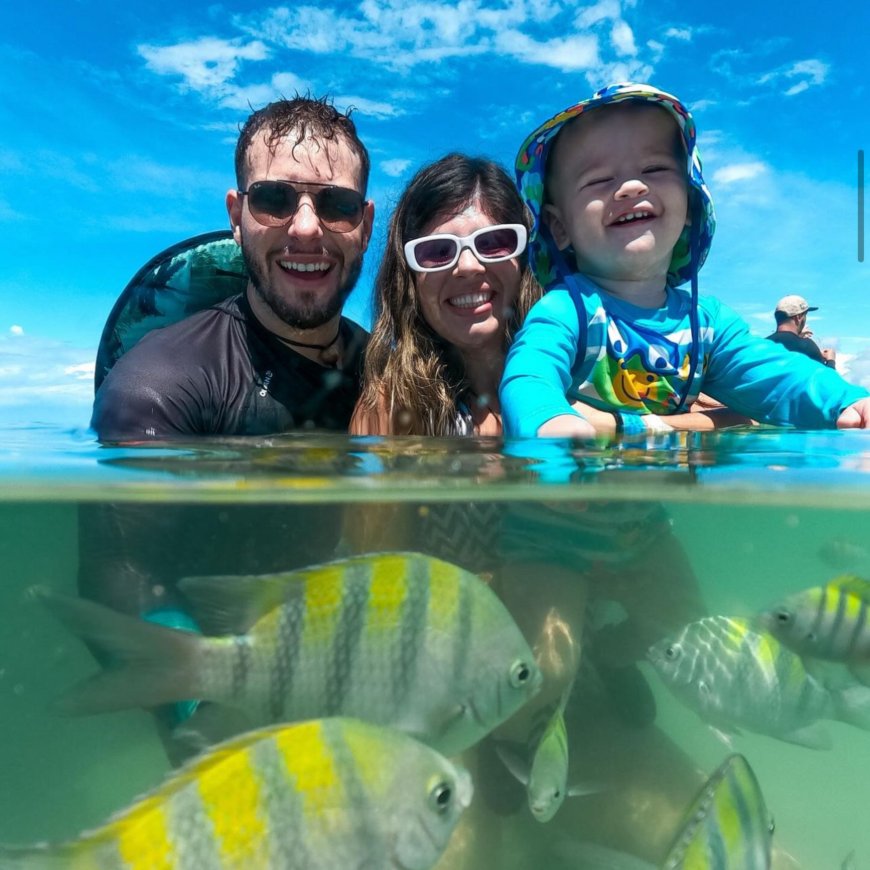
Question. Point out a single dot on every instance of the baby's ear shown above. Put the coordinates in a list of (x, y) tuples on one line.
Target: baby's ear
[(553, 219)]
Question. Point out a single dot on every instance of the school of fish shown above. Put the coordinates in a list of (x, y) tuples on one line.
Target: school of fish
[(355, 678)]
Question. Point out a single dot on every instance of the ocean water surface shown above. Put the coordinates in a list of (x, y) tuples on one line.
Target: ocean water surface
[(604, 550)]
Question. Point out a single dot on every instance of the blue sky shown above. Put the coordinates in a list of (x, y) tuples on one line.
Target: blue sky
[(118, 124)]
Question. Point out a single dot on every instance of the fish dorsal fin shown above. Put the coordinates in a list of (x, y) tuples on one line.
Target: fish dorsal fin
[(851, 584), (193, 769), (229, 604), (225, 604)]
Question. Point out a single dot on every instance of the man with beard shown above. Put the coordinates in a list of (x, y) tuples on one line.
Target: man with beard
[(277, 358), (280, 356)]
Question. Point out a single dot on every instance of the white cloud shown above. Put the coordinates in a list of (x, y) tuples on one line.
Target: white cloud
[(857, 367), (280, 85), (622, 38), (620, 71), (739, 172), (205, 65), (603, 11), (81, 371), (701, 105), (563, 53), (15, 329), (368, 107), (394, 168), (684, 34), (36, 371), (401, 35), (805, 74)]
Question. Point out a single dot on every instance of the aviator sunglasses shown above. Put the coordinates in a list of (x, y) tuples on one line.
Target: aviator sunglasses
[(489, 245), (274, 203)]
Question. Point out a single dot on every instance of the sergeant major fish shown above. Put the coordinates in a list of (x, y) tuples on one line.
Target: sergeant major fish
[(546, 778), (728, 826), (316, 795), (827, 622), (398, 639), (735, 677)]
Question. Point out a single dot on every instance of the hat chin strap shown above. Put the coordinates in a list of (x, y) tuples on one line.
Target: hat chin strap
[(694, 256)]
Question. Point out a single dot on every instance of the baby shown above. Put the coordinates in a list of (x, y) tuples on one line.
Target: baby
[(622, 218)]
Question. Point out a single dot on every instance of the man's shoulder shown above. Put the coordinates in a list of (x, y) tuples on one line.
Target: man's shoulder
[(198, 342), (196, 334)]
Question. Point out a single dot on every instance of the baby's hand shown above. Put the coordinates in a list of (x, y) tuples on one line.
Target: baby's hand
[(856, 416), (566, 426)]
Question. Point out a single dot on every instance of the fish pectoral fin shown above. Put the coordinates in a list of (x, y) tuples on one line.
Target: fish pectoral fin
[(727, 737), (812, 736), (452, 716), (514, 762), (852, 705), (583, 789)]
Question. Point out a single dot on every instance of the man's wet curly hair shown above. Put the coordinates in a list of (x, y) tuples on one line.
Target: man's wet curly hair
[(302, 117)]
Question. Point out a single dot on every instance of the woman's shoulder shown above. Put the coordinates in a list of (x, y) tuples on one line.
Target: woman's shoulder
[(372, 420)]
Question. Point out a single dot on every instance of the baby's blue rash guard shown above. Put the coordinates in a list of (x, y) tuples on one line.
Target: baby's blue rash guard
[(636, 360)]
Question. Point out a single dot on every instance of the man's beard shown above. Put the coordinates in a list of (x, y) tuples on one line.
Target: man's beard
[(295, 313)]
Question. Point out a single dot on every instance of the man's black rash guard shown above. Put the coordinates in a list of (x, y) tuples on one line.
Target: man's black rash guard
[(220, 372)]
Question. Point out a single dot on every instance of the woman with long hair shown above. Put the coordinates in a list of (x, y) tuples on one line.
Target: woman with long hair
[(452, 290)]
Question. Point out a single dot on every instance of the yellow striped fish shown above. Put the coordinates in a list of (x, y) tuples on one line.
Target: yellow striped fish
[(727, 826), (398, 639), (546, 775), (827, 622), (318, 795), (734, 677)]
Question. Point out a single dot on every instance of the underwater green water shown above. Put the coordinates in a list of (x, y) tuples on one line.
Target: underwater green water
[(655, 534)]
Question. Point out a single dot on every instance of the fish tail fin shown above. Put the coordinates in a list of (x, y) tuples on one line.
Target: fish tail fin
[(145, 665), (852, 705)]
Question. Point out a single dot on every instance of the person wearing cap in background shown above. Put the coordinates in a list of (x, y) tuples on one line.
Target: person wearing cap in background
[(621, 218), (791, 329)]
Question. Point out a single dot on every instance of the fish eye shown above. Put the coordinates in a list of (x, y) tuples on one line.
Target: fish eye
[(783, 617), (520, 674), (441, 796), (672, 651)]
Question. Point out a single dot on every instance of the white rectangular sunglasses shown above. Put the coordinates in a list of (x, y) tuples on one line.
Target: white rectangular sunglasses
[(489, 244)]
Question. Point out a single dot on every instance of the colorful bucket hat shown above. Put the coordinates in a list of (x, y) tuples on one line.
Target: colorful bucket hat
[(532, 162)]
